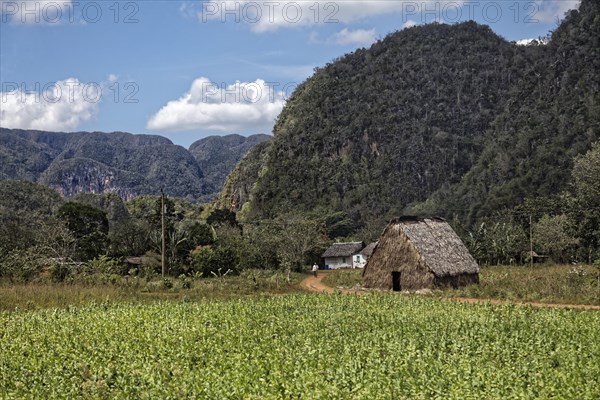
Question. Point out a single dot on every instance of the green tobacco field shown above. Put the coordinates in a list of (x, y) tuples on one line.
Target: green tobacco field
[(301, 346)]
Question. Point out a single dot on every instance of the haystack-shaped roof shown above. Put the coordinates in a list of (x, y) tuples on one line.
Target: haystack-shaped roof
[(367, 251), (439, 247), (343, 249)]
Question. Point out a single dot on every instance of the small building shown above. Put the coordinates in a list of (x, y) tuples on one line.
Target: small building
[(342, 255), (360, 259), (415, 253)]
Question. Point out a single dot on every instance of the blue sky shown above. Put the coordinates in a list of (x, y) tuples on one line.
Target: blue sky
[(189, 69)]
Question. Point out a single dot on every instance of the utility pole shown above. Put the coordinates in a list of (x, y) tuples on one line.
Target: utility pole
[(162, 222), (530, 241)]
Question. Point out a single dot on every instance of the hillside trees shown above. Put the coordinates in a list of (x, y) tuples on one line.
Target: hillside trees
[(89, 227), (585, 212)]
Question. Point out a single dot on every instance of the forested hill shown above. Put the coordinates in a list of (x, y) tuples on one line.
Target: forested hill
[(421, 115), (123, 163), (552, 114), (217, 156)]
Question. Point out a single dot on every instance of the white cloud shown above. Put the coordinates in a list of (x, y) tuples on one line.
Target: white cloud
[(552, 10), (270, 16), (527, 42), (62, 105), (524, 42), (237, 107), (113, 77), (409, 24), (359, 36)]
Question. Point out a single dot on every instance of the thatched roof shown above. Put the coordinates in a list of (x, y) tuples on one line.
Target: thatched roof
[(367, 251), (439, 247), (343, 249)]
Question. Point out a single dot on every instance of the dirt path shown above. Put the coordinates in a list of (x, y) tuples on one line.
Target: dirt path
[(313, 284)]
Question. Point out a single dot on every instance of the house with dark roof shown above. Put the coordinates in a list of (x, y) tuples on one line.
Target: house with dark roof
[(415, 253), (341, 255)]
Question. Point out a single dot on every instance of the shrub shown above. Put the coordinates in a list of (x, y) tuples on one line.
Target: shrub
[(20, 265), (106, 265)]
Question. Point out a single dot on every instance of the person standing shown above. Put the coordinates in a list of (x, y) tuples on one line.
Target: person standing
[(315, 268)]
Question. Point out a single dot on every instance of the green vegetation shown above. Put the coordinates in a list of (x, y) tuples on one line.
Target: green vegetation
[(99, 285), (544, 283), (301, 346), (563, 284), (42, 235), (217, 156), (468, 127), (345, 278)]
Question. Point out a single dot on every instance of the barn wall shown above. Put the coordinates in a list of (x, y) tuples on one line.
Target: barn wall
[(394, 253)]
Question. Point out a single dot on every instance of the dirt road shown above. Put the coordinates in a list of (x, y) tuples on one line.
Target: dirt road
[(313, 284)]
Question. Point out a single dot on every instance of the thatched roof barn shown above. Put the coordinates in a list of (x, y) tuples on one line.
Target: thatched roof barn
[(415, 253)]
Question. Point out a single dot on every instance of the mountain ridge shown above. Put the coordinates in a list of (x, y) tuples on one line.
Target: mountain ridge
[(127, 164)]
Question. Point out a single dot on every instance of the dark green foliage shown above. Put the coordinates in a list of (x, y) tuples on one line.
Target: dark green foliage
[(130, 238), (432, 120), (384, 127), (222, 217), (551, 116), (200, 234), (238, 186), (585, 209), (216, 260), (113, 205), (89, 227)]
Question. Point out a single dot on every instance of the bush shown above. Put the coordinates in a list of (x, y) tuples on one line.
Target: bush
[(211, 260), (60, 271), (106, 265), (20, 265)]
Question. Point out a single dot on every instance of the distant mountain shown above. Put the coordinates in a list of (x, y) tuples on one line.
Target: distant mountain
[(82, 162), (434, 119), (218, 155), (122, 163)]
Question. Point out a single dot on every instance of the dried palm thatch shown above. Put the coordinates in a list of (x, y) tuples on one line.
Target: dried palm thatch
[(367, 251), (423, 252), (343, 249)]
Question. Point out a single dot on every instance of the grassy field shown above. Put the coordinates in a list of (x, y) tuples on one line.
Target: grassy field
[(564, 284), (307, 346), (99, 289)]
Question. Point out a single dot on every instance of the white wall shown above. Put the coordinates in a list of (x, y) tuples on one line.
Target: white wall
[(346, 262), (338, 262), (358, 261)]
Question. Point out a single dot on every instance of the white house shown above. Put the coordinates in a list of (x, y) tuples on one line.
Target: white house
[(342, 255), (359, 260)]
